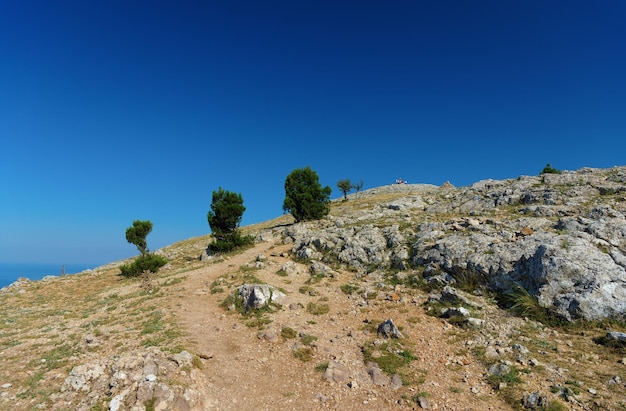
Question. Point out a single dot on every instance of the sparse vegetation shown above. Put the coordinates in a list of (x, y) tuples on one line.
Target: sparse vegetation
[(288, 333), (317, 309), (564, 360)]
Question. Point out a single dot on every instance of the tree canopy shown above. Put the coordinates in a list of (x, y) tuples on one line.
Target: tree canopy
[(224, 218), (305, 199), (345, 186), (137, 233)]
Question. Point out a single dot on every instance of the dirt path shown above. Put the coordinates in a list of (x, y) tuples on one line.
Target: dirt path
[(245, 367)]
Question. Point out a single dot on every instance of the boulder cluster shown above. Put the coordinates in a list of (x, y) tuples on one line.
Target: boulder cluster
[(562, 237)]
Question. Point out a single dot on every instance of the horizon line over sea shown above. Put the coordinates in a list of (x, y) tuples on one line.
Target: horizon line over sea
[(10, 272)]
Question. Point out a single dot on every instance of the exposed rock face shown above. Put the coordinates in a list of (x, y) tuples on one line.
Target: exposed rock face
[(560, 236), (256, 296), (356, 247), (131, 380)]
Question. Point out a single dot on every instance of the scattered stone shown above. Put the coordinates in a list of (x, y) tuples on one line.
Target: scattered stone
[(337, 373), (377, 375), (206, 355), (389, 330), (616, 379), (520, 348), (183, 359), (256, 296), (424, 403), (475, 322), (616, 336), (396, 382), (534, 400), (455, 312), (491, 353), (289, 268), (499, 369)]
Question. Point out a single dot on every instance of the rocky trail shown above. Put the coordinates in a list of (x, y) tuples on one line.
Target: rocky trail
[(248, 367)]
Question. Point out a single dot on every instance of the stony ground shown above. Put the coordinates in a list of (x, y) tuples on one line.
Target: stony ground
[(246, 361), (97, 341), (258, 369)]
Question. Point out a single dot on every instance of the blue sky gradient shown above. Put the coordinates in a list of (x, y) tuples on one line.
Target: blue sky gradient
[(122, 110)]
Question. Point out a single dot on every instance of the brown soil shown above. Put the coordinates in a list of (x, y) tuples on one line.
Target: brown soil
[(245, 368)]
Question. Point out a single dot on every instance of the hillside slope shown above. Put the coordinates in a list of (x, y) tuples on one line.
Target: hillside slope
[(177, 340)]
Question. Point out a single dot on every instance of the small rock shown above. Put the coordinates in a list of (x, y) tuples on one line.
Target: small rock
[(616, 336), (206, 355), (376, 374), (389, 330), (183, 359), (337, 373), (475, 322), (6, 385), (534, 400), (423, 403), (396, 382), (499, 369), (455, 312), (616, 379), (491, 353)]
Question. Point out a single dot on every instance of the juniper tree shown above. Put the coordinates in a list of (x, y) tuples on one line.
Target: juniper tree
[(224, 218)]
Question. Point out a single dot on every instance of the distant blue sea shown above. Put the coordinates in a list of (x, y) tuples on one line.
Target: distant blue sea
[(10, 272)]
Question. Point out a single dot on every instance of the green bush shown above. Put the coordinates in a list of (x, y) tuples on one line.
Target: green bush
[(305, 199), (224, 218), (548, 169), (145, 262)]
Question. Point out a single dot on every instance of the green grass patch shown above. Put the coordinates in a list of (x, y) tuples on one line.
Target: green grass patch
[(321, 367), (304, 354), (317, 309), (391, 356), (349, 288), (288, 333), (307, 339)]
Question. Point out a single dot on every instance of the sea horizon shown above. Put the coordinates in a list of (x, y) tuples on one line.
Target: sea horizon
[(10, 272)]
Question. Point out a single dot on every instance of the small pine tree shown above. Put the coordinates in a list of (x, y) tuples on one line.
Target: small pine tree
[(548, 169), (345, 186), (305, 198), (224, 218), (136, 234)]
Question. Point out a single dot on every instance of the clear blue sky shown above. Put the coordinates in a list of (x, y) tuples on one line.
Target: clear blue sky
[(112, 111)]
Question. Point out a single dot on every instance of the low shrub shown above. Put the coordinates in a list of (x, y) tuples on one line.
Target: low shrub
[(146, 262)]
